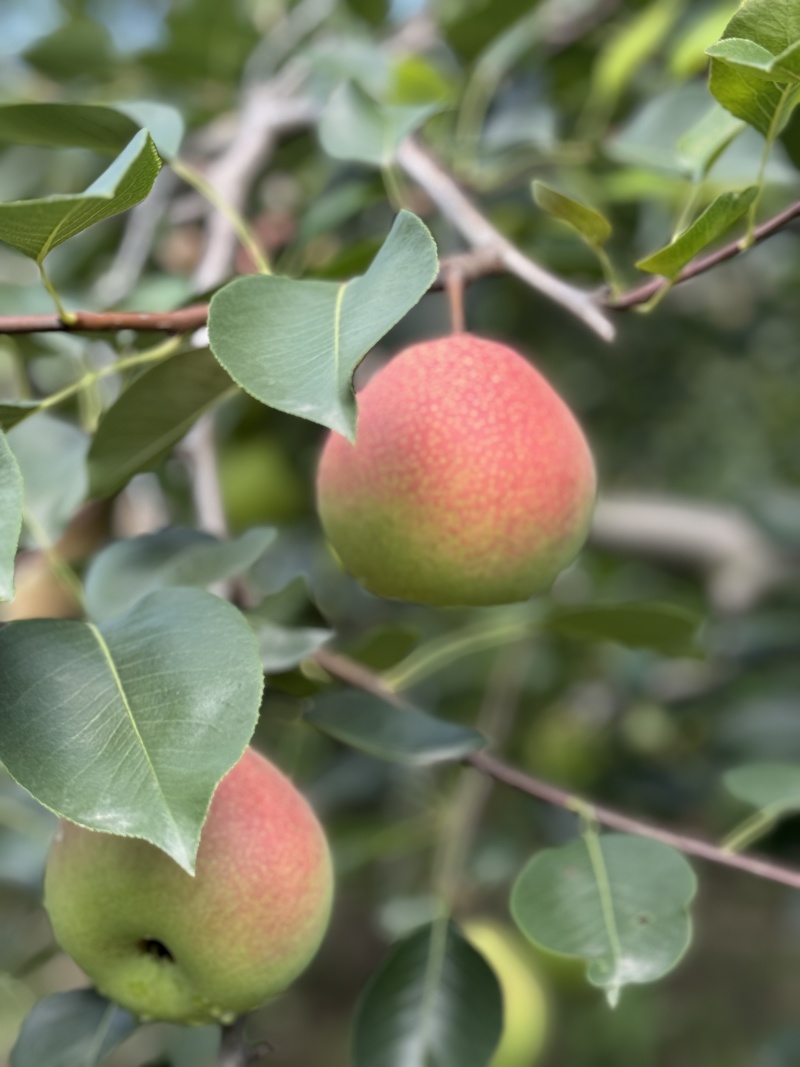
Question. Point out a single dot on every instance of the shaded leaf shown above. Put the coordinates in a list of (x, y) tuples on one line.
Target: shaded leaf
[(354, 126), (94, 126), (772, 787), (283, 647), (36, 227), (151, 416), (16, 411), (126, 571), (74, 1029), (294, 345), (397, 734), (665, 628), (10, 517), (717, 218), (435, 1002), (129, 726), (758, 51), (52, 457), (590, 224), (616, 901)]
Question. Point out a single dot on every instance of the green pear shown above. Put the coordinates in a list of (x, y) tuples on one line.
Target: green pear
[(525, 1005), (470, 481), (206, 948)]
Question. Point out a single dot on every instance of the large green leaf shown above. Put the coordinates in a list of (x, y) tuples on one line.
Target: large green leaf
[(151, 416), (754, 69), (10, 517), (126, 571), (666, 628), (74, 1029), (619, 902), (774, 788), (35, 227), (52, 457), (399, 734), (127, 727), (593, 227), (435, 1002), (93, 126), (717, 218), (294, 345), (354, 126)]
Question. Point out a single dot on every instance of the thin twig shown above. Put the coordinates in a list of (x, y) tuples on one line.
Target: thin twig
[(646, 292), (233, 1050), (476, 229), (184, 320), (355, 674)]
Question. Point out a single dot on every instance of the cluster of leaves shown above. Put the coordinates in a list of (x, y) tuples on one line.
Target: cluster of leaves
[(155, 665)]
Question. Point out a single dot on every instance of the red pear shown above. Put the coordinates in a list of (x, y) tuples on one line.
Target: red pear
[(470, 481)]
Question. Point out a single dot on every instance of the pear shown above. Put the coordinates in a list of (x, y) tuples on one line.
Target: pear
[(206, 948), (470, 481)]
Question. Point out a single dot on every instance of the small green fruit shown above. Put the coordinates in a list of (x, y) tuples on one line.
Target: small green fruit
[(525, 1007), (203, 949), (470, 481)]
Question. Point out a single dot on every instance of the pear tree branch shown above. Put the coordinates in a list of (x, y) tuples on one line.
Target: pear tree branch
[(355, 674)]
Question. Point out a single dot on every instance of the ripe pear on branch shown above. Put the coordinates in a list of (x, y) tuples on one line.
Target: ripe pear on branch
[(206, 948), (470, 482)]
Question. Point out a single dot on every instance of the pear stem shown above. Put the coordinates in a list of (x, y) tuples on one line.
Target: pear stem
[(233, 1051)]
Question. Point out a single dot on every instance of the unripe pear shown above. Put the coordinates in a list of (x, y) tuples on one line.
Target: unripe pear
[(525, 1005), (470, 481), (198, 949)]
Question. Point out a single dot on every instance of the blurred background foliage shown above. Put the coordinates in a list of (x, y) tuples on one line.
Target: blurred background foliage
[(699, 400)]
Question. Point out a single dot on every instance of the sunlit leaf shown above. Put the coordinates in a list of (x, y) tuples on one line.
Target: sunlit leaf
[(435, 1002), (590, 224), (619, 902), (755, 67), (397, 734), (74, 1029), (130, 725), (701, 146), (126, 571), (294, 345), (10, 517), (36, 227), (716, 220)]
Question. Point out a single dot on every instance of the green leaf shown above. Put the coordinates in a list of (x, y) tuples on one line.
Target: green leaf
[(126, 571), (398, 734), (94, 126), (593, 227), (151, 416), (283, 647), (759, 51), (435, 1002), (74, 1029), (294, 345), (630, 47), (10, 517), (52, 457), (353, 126), (717, 218), (13, 412), (702, 145), (619, 902), (36, 227), (772, 787), (665, 628), (129, 726)]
